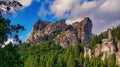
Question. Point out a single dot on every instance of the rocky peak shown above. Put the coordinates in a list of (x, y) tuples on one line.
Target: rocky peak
[(61, 21), (79, 32), (86, 21), (84, 29), (39, 25), (110, 34)]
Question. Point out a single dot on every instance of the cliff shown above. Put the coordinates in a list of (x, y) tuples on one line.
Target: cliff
[(61, 33)]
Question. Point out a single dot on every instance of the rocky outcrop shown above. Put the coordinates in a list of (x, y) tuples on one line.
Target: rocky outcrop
[(68, 37), (98, 49), (118, 54), (107, 47), (84, 30), (87, 52), (43, 31), (79, 32)]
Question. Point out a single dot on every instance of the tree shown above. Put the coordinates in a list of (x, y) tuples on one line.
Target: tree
[(6, 29), (60, 62), (112, 61), (7, 6), (71, 62), (31, 61), (9, 57)]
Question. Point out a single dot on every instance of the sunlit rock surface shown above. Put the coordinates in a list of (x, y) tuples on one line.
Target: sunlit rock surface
[(78, 32)]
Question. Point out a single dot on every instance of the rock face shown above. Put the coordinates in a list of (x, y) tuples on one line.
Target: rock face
[(107, 47), (68, 37), (43, 31), (98, 49), (83, 29), (87, 52), (118, 54), (63, 34)]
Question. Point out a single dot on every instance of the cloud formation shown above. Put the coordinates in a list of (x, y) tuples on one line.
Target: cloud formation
[(44, 11), (59, 7), (25, 3), (103, 13)]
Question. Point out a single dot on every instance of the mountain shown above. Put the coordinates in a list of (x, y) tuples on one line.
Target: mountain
[(61, 45), (63, 34)]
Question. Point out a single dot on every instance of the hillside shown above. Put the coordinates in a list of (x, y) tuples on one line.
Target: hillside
[(101, 51)]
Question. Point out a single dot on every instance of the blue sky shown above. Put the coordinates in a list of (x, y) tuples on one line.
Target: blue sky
[(104, 13)]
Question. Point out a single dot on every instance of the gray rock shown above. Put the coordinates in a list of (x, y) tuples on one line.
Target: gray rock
[(68, 37), (118, 54), (107, 47), (98, 50), (110, 34), (79, 32), (118, 45), (43, 31), (87, 51), (84, 30)]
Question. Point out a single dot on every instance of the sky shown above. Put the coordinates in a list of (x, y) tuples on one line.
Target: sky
[(103, 13)]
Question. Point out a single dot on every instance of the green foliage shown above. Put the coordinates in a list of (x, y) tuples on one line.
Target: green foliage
[(4, 27), (116, 33), (48, 54), (96, 39), (112, 61), (7, 29), (9, 57), (95, 62)]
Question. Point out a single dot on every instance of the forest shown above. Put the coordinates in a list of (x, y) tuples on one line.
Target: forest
[(47, 54)]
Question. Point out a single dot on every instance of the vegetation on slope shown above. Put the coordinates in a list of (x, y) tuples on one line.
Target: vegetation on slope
[(97, 39), (48, 54)]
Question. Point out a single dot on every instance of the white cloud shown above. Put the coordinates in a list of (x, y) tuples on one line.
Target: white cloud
[(25, 3), (103, 13), (83, 9), (10, 40), (59, 7), (43, 11), (110, 6), (76, 19)]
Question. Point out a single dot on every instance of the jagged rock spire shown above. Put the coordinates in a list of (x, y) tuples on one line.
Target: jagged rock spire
[(110, 34)]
